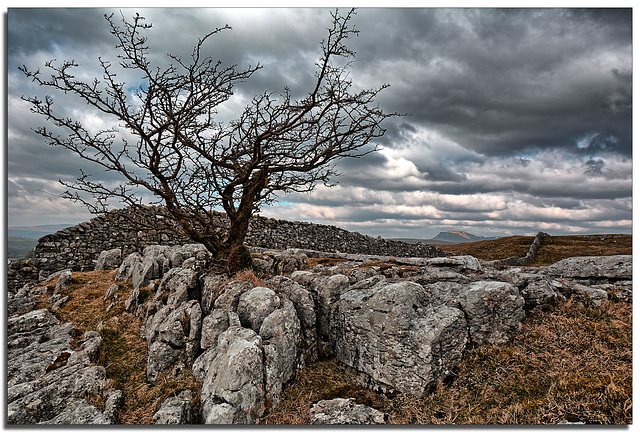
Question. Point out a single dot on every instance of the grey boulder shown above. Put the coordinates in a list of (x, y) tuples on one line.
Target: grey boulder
[(175, 410), (494, 311), (109, 259), (344, 411), (233, 389), (395, 337)]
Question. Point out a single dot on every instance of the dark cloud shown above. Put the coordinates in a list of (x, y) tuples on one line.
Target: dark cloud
[(517, 117), (33, 30)]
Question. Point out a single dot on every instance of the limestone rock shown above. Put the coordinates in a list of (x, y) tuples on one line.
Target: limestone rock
[(429, 275), (162, 357), (263, 262), (111, 292), (179, 254), (47, 375), (150, 267), (79, 412), (306, 313), (461, 262), (396, 326), (30, 321), (369, 282), (596, 295), (89, 350), (23, 301), (213, 325), (494, 311), (174, 338), (446, 292), (109, 259), (328, 291), (357, 274), (541, 293), (303, 277), (344, 411), (612, 267), (132, 302), (178, 285), (201, 364), (288, 261), (229, 298), (210, 288), (112, 405), (281, 339), (128, 266), (255, 305), (232, 391), (64, 281), (175, 410)]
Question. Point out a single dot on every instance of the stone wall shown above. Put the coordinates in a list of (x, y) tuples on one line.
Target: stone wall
[(531, 253), (78, 247)]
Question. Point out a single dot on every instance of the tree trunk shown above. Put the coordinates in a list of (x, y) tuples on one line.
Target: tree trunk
[(238, 229), (241, 217)]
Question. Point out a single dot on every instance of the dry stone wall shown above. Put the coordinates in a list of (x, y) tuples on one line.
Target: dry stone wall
[(531, 253), (77, 248)]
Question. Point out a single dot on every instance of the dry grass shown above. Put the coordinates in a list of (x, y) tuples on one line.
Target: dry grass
[(327, 262), (248, 276), (489, 250), (572, 363), (552, 248), (555, 248), (86, 306)]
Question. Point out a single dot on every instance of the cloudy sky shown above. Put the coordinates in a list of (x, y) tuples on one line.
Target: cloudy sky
[(520, 120)]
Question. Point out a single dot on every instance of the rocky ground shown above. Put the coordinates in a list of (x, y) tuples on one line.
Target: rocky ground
[(400, 325)]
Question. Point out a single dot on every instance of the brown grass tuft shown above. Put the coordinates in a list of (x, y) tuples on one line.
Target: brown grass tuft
[(248, 276)]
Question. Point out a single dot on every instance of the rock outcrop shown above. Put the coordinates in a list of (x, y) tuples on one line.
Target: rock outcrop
[(401, 324), (397, 338), (47, 379)]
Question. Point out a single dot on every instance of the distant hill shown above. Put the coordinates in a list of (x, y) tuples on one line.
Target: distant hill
[(455, 237), (36, 231), (19, 247), (449, 237), (21, 240)]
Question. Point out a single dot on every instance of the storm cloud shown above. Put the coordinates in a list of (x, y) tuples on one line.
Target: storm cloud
[(517, 120)]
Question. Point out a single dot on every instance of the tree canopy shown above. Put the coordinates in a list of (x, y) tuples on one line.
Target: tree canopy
[(183, 155)]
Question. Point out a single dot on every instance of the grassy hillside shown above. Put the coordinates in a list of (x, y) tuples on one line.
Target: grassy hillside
[(552, 248)]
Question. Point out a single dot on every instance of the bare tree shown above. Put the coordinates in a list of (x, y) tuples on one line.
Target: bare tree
[(190, 162)]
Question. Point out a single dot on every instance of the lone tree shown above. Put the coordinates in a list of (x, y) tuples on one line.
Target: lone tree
[(190, 162)]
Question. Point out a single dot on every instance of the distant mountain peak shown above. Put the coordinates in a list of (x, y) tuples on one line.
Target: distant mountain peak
[(461, 233), (454, 237)]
